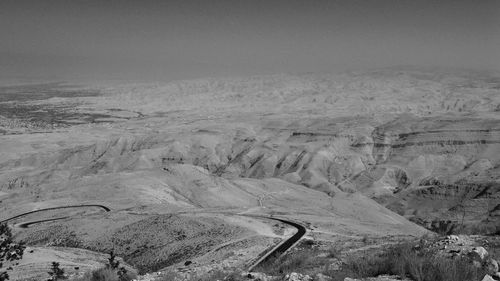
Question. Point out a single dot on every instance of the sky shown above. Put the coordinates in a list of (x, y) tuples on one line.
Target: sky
[(168, 39)]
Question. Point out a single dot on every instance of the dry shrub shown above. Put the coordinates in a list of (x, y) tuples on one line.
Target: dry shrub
[(212, 276), (104, 274), (219, 275), (419, 265), (334, 252), (302, 261), (169, 276)]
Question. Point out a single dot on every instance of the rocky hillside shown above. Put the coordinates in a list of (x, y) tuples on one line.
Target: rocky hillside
[(441, 172), (348, 154)]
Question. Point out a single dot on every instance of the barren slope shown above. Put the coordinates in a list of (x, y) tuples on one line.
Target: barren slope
[(191, 156)]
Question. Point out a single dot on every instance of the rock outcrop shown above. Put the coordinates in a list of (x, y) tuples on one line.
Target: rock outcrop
[(380, 278)]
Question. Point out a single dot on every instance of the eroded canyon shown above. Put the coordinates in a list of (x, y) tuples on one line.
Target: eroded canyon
[(201, 163)]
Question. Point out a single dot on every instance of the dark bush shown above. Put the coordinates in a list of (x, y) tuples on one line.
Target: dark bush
[(106, 274), (9, 250), (56, 273)]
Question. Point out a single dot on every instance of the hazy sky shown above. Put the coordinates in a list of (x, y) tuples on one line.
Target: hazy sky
[(167, 40)]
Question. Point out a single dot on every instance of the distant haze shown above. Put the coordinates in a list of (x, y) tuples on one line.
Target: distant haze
[(166, 40)]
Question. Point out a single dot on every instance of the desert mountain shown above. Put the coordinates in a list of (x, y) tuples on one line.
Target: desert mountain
[(345, 154)]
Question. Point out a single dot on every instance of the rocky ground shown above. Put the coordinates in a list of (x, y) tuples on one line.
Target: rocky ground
[(376, 154), (330, 261)]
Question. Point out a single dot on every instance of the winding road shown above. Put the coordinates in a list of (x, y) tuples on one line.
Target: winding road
[(277, 251), (283, 246), (27, 224), (56, 208)]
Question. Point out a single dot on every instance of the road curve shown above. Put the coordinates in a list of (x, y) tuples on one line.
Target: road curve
[(276, 252), (56, 208), (27, 224), (283, 246)]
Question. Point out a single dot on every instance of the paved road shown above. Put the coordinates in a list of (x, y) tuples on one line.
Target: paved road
[(27, 224), (276, 252), (283, 246), (56, 208)]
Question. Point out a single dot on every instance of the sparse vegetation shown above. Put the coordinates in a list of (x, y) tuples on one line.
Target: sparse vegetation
[(56, 272), (211, 276), (169, 276), (365, 239), (334, 252), (106, 274), (10, 251), (417, 263), (111, 272), (220, 275), (101, 274), (304, 261), (160, 240), (112, 262)]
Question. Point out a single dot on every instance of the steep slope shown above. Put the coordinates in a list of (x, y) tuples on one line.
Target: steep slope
[(442, 171), (261, 167)]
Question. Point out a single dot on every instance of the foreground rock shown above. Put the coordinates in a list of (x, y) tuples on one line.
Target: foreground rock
[(488, 278), (478, 254), (379, 278), (297, 277)]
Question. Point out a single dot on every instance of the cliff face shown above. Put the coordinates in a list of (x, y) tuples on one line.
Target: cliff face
[(440, 170)]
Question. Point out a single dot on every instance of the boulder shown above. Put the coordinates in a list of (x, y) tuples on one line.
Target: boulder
[(335, 265), (387, 278), (477, 264), (487, 278), (322, 277), (491, 266), (258, 276), (478, 254), (379, 278), (297, 277)]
